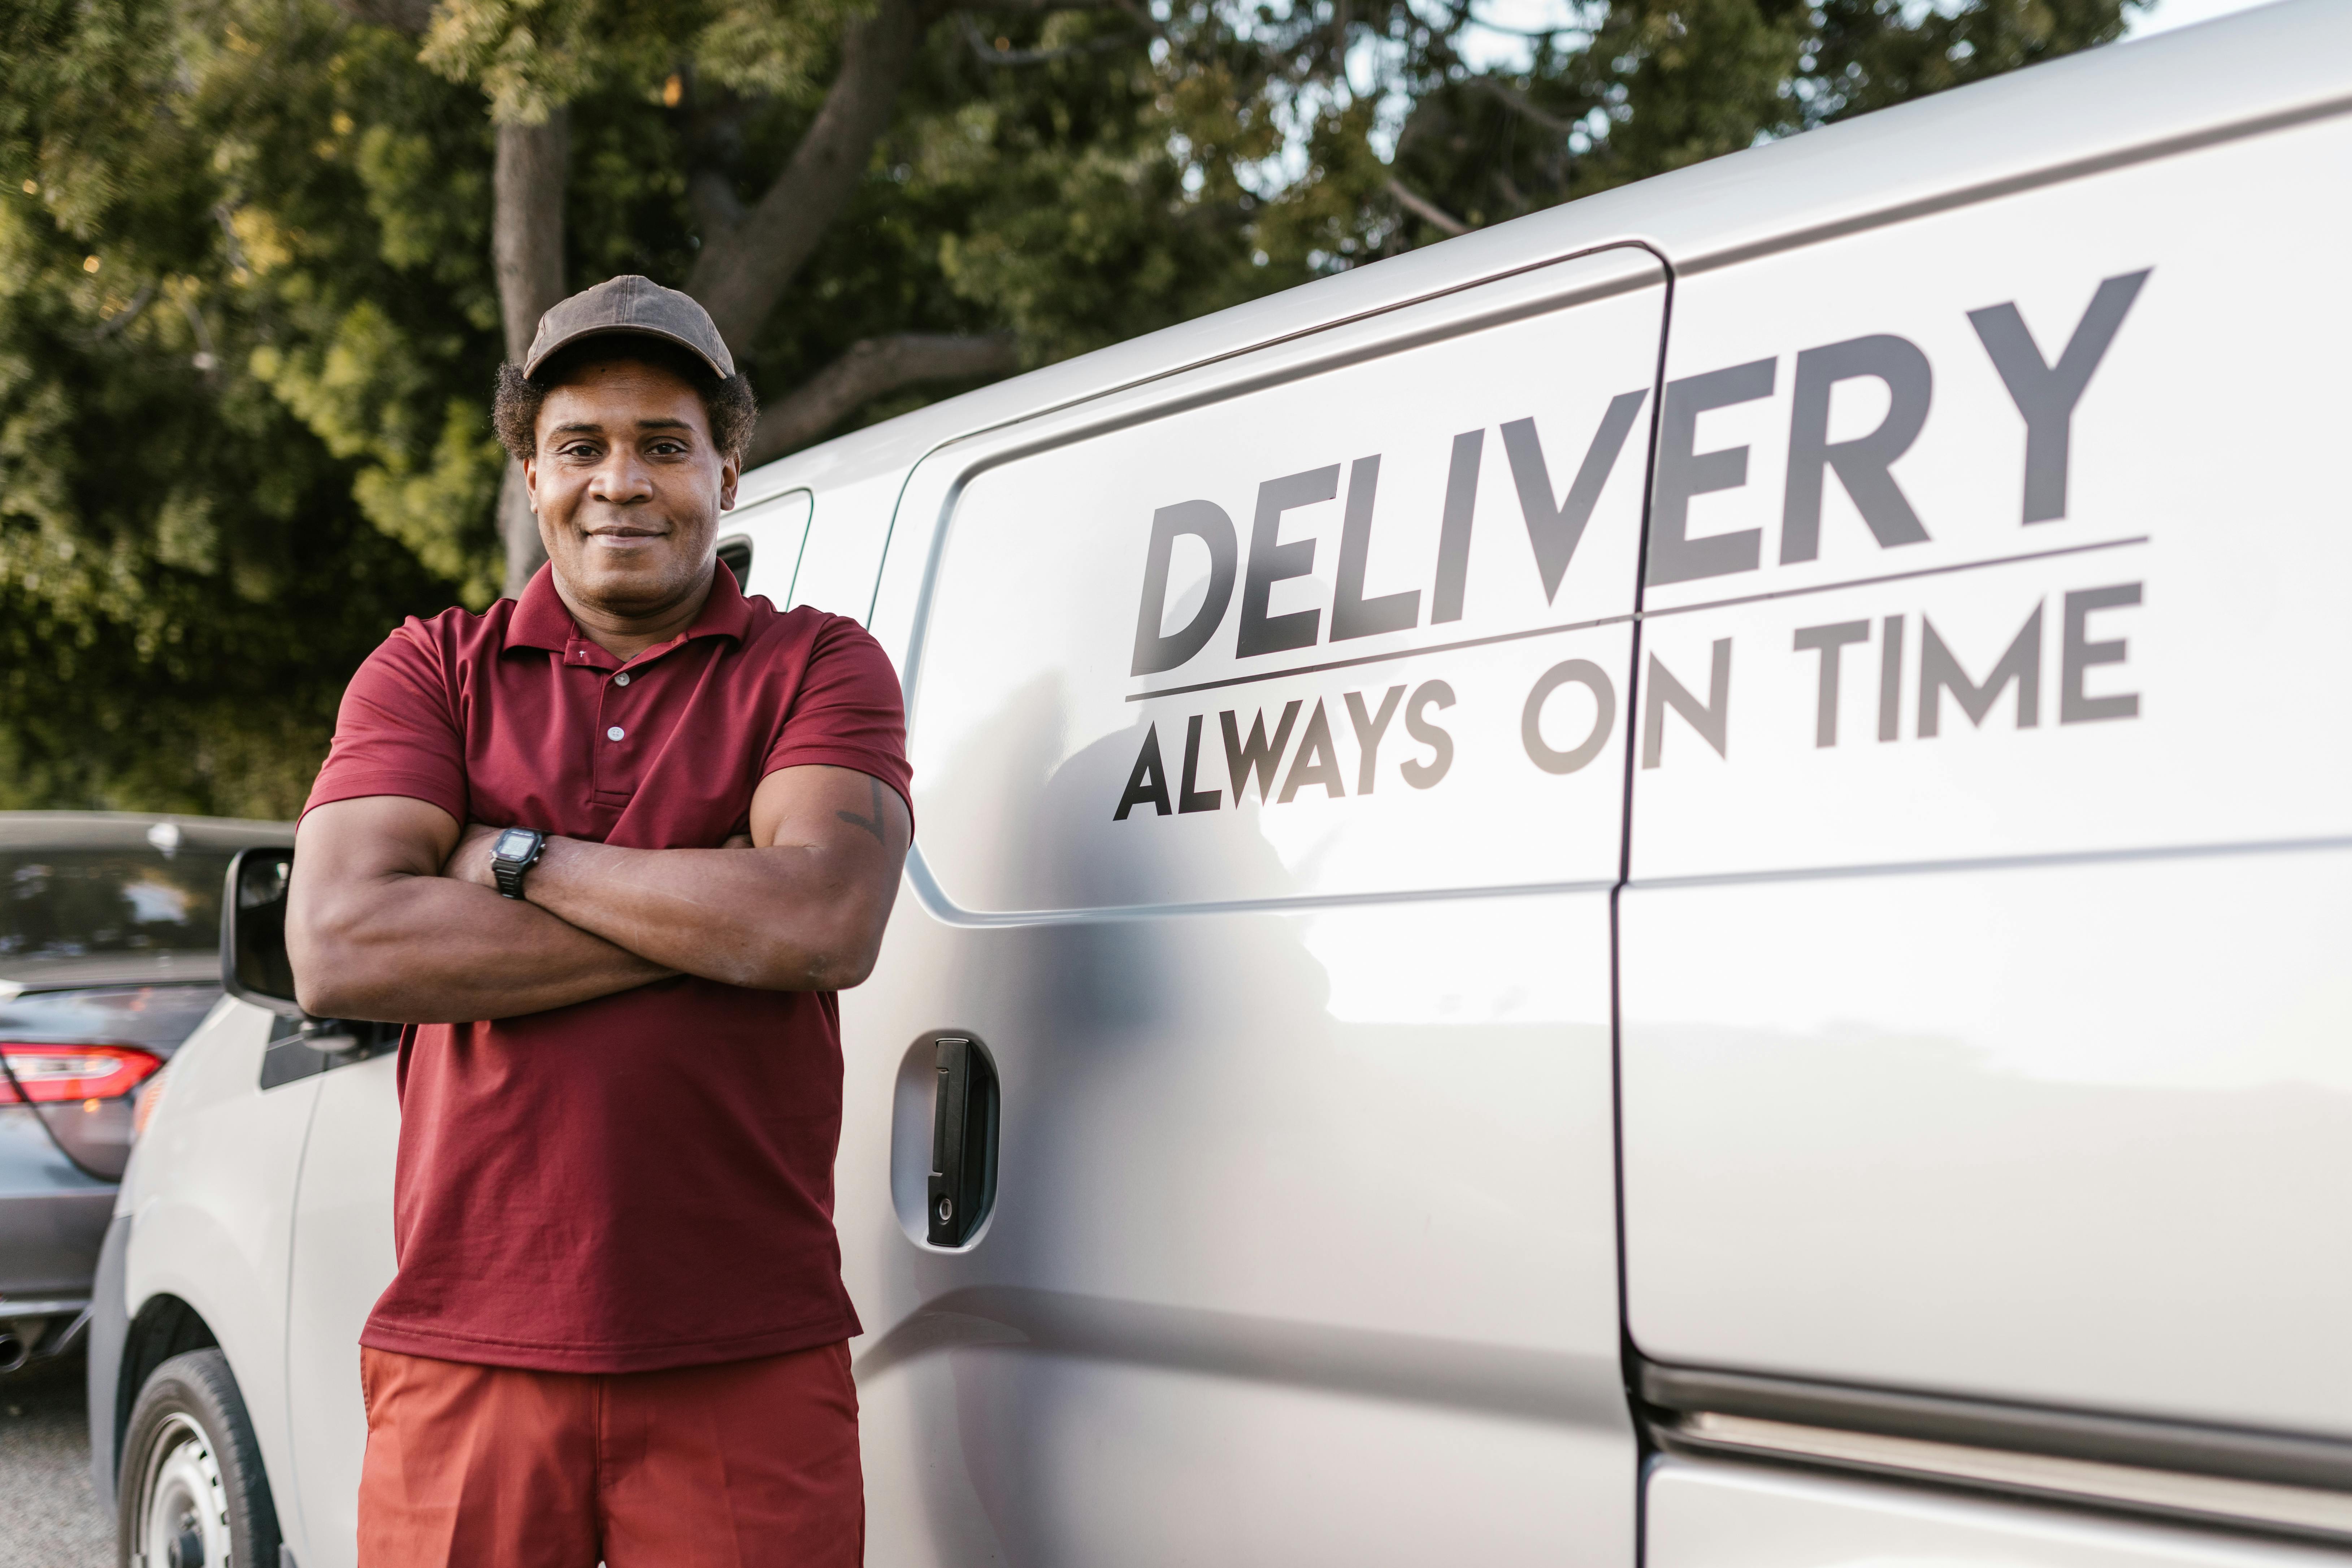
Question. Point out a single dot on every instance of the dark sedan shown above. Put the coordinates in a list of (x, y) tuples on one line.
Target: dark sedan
[(109, 938)]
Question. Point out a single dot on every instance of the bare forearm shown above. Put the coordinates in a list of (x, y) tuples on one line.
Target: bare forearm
[(786, 918), (410, 949)]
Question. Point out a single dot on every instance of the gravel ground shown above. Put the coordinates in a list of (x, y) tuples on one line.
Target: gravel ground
[(47, 1517)]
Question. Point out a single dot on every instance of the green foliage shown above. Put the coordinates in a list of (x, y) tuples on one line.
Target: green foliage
[(249, 323), (1647, 86), (529, 55), (1230, 150), (1862, 63), (1063, 186), (188, 571)]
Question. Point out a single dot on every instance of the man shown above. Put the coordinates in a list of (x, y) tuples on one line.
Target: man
[(610, 849)]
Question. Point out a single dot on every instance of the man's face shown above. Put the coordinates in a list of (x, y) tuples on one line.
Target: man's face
[(628, 487)]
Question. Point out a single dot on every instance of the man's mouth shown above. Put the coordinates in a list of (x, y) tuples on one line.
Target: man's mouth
[(624, 537)]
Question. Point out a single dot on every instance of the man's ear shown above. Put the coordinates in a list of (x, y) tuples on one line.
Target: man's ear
[(530, 481), (730, 470)]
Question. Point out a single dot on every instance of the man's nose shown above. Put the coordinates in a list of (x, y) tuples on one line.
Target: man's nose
[(620, 479)]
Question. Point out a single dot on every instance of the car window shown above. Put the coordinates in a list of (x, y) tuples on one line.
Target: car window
[(71, 903), (157, 1015)]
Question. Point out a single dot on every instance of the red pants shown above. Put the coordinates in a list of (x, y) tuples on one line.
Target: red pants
[(741, 1465)]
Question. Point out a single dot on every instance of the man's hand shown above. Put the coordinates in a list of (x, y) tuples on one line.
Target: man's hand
[(374, 931), (803, 910), (394, 913)]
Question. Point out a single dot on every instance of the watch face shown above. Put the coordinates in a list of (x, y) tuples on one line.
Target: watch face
[(514, 843)]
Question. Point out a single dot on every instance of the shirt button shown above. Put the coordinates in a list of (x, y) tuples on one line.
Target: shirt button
[(621, 679), (615, 733)]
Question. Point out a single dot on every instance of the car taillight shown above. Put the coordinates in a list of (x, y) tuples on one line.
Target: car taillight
[(149, 1100), (53, 1075)]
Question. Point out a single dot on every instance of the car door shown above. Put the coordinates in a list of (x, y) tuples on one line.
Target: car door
[(341, 1260), (207, 1198), (1267, 728)]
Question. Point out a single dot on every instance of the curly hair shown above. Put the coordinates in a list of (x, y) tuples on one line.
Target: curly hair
[(729, 403)]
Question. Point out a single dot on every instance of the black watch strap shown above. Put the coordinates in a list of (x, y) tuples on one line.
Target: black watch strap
[(511, 856)]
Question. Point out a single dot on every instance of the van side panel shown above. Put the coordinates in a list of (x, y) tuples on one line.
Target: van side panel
[(2064, 1134), (1222, 695), (1985, 1019), (1270, 1278)]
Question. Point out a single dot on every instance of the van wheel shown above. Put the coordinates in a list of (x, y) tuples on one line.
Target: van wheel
[(194, 1493)]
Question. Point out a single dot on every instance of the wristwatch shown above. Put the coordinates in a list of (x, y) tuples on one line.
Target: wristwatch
[(516, 851)]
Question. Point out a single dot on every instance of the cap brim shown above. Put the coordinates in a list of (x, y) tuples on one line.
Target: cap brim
[(541, 354)]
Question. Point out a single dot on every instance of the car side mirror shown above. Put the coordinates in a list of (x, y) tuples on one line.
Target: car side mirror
[(253, 965)]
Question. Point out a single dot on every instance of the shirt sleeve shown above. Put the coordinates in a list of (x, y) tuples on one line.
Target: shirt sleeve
[(848, 712), (395, 732)]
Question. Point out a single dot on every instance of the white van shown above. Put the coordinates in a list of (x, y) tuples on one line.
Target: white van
[(1672, 883)]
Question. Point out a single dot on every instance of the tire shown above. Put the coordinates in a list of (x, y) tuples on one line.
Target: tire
[(193, 1493)]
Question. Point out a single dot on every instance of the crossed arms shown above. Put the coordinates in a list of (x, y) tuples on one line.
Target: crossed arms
[(393, 914)]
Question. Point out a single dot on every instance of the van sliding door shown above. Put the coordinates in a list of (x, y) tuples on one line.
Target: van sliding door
[(1269, 734), (1985, 1014)]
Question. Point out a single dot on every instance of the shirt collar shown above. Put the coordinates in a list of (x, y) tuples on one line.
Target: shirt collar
[(727, 613), (540, 621)]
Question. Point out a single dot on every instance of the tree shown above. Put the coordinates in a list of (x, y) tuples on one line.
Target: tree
[(188, 571), (1646, 84), (263, 257), (533, 62)]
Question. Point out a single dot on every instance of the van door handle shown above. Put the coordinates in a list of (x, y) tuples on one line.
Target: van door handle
[(963, 1139)]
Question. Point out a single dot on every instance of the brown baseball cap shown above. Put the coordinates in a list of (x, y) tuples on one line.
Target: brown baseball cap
[(630, 305)]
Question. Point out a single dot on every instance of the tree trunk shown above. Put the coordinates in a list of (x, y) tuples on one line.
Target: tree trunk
[(743, 271), (749, 255), (527, 246)]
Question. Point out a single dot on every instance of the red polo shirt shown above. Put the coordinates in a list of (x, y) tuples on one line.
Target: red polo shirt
[(646, 1180)]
